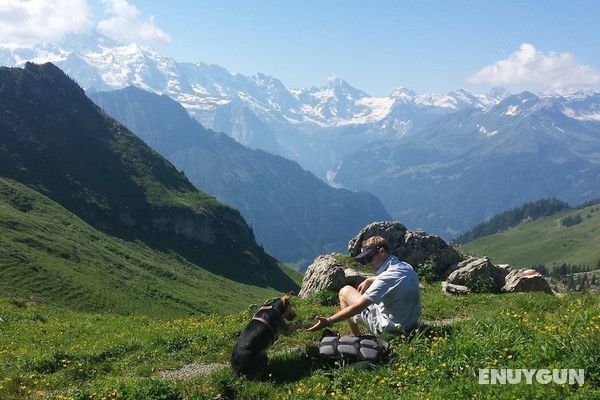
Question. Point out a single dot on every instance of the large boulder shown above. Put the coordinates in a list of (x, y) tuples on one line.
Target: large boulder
[(526, 280), (327, 273), (479, 275), (416, 248), (392, 231)]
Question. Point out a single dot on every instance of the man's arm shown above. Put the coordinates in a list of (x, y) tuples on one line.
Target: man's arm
[(364, 285), (341, 315)]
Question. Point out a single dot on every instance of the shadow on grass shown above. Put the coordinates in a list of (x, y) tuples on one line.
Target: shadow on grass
[(295, 365)]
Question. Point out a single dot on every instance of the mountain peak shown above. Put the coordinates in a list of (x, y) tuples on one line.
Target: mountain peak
[(132, 48), (50, 74), (498, 92), (335, 81), (403, 92), (339, 85), (264, 79)]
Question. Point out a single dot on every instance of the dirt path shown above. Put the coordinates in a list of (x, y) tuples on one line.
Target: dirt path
[(191, 370)]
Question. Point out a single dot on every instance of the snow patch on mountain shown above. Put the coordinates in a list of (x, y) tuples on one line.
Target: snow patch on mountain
[(581, 115), (512, 111), (483, 130), (375, 109)]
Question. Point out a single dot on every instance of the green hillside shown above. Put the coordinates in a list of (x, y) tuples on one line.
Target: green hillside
[(51, 353), (546, 241), (513, 217), (51, 255), (56, 140)]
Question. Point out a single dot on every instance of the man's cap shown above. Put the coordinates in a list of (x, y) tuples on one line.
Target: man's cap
[(367, 251)]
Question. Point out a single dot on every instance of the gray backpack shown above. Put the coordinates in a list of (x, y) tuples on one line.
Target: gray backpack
[(364, 349)]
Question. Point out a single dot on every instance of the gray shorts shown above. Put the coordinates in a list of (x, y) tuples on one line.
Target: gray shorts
[(376, 319)]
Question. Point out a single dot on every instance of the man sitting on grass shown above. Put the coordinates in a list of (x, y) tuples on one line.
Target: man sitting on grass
[(389, 301)]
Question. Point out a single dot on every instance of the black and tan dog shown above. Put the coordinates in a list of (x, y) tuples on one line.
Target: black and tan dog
[(249, 356)]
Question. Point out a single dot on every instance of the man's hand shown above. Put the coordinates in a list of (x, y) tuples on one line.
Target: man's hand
[(364, 285), (293, 327), (322, 322)]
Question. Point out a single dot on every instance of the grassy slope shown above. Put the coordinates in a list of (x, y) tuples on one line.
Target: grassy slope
[(94, 356), (55, 140), (50, 254), (545, 241)]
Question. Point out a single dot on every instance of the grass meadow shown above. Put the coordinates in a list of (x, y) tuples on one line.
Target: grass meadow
[(47, 352), (546, 241)]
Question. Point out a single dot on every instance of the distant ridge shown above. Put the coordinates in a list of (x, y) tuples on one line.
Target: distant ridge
[(508, 219), (568, 240)]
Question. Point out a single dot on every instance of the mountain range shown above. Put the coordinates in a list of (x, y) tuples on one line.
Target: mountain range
[(440, 162), (294, 215), (469, 165), (259, 110)]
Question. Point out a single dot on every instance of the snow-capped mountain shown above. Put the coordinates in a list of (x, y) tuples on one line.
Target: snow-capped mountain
[(314, 126), (98, 63)]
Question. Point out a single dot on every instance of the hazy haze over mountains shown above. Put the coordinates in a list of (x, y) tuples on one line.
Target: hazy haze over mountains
[(469, 165), (293, 214)]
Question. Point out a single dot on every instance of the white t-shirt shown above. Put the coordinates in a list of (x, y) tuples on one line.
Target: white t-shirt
[(396, 291)]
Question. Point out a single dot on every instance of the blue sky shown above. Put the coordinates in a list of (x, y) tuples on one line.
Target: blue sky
[(428, 46), (376, 46)]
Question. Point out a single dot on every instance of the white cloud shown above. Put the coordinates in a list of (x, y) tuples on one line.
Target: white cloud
[(529, 66), (26, 22), (126, 23)]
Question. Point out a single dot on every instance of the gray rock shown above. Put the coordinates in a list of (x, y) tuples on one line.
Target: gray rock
[(459, 265), (416, 248), (526, 280), (479, 275), (454, 290), (353, 277), (327, 273)]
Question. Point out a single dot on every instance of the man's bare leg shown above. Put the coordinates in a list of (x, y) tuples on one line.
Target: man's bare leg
[(348, 296)]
